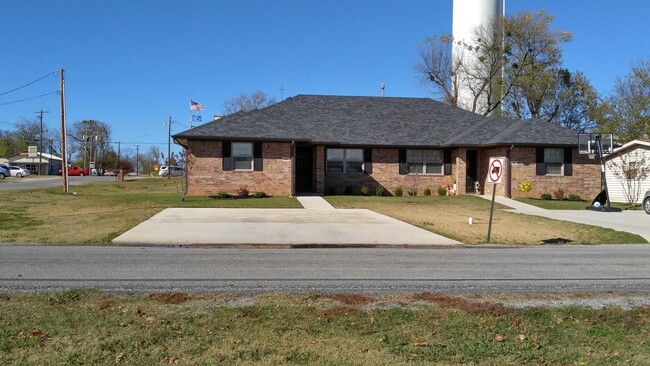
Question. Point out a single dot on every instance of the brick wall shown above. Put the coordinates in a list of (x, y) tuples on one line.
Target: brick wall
[(385, 172), (206, 175), (585, 180)]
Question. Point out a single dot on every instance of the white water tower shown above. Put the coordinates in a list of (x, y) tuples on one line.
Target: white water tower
[(467, 16)]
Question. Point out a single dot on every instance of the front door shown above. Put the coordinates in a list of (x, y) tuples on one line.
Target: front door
[(472, 171), (304, 169)]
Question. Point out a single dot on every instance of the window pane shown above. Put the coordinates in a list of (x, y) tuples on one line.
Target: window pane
[(433, 156), (353, 160), (554, 168), (334, 160), (414, 168), (242, 149), (354, 155), (335, 154), (434, 168), (553, 155), (243, 163), (413, 156)]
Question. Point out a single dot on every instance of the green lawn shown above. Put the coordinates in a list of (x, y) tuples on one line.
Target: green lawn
[(97, 213), (94, 328), (449, 216)]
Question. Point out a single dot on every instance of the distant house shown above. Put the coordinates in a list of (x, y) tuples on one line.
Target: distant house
[(314, 144), (41, 163), (623, 165)]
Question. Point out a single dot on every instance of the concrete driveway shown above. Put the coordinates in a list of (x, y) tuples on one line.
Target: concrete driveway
[(319, 225)]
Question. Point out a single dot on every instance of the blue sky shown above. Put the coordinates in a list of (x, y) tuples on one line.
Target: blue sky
[(132, 64)]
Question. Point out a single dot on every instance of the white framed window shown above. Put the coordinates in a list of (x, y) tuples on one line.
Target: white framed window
[(242, 155), (424, 161), (345, 160), (553, 158)]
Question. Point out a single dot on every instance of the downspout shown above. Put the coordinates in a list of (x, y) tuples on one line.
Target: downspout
[(509, 179)]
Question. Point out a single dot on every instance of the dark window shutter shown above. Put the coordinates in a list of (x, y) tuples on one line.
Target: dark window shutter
[(367, 161), (539, 159), (257, 156), (568, 162), (447, 161), (403, 168), (226, 154)]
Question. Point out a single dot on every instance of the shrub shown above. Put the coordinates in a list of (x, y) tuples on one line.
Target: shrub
[(559, 194), (365, 190), (260, 195), (574, 197), (243, 192), (399, 191), (442, 191), (526, 186), (427, 192), (379, 191), (223, 195), (412, 192), (546, 196)]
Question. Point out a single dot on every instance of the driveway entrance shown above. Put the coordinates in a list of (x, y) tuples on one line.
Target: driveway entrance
[(278, 228)]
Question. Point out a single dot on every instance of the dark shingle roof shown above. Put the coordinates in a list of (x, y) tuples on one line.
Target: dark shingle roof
[(377, 121)]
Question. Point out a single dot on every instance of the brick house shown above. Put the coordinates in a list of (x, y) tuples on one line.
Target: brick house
[(313, 144)]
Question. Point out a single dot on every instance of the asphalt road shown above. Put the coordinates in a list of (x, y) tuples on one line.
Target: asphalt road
[(540, 269), (51, 181)]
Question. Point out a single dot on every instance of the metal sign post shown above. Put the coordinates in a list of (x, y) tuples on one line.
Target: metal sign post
[(495, 172)]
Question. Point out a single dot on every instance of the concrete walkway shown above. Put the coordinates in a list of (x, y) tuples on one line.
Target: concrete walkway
[(636, 222), (317, 225), (314, 203)]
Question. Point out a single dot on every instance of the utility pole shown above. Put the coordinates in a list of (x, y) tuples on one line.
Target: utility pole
[(119, 144), (40, 149), (64, 168), (169, 148), (137, 158)]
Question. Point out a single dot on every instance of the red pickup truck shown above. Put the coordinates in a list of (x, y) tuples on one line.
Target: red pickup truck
[(75, 170)]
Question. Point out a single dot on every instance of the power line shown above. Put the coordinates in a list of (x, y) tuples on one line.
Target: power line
[(28, 84), (39, 96)]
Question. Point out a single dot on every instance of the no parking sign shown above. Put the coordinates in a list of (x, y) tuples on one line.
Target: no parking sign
[(495, 172)]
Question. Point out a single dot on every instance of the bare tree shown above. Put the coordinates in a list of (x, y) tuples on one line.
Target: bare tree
[(513, 56), (437, 66), (247, 103), (89, 139), (627, 111), (630, 171)]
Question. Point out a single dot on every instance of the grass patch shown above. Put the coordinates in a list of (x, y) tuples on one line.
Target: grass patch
[(99, 212), (97, 328), (572, 205), (449, 216)]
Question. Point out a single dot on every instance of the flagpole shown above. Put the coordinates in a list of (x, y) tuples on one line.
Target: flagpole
[(190, 112)]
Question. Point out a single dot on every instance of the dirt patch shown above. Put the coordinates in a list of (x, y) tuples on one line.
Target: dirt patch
[(352, 299), (171, 298)]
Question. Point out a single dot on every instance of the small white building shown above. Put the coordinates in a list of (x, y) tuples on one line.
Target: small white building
[(40, 164), (625, 163)]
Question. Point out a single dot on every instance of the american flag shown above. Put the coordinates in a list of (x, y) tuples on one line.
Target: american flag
[(195, 106)]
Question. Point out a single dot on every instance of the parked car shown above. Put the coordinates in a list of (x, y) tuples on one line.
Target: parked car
[(17, 171), (75, 170), (4, 171), (646, 202), (176, 171)]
